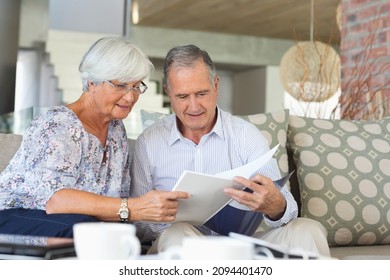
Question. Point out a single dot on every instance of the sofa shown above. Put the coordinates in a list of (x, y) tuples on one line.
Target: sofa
[(341, 175)]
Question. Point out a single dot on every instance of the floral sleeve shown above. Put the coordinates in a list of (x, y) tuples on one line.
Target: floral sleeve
[(46, 162)]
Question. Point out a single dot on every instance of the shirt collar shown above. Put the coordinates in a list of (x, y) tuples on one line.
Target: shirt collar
[(177, 136)]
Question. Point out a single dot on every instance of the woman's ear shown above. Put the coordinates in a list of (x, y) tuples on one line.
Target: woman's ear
[(91, 86)]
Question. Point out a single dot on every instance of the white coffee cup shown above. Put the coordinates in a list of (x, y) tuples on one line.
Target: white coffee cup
[(211, 248), (106, 241)]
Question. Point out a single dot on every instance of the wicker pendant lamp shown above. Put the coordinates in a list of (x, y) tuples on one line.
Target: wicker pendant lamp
[(310, 70)]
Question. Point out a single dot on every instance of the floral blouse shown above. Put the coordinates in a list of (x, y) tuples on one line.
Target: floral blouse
[(58, 153)]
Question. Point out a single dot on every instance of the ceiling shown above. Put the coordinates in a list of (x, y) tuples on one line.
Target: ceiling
[(284, 19)]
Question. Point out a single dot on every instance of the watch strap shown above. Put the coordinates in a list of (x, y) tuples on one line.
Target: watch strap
[(123, 212)]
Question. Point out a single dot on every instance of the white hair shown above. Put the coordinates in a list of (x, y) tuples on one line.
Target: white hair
[(114, 58)]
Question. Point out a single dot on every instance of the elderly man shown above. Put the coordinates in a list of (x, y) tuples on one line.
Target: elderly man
[(201, 137)]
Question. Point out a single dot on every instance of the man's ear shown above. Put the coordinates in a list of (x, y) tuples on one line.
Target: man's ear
[(165, 88), (216, 84)]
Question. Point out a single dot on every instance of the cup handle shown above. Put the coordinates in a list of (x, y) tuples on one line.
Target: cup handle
[(134, 246), (172, 253), (263, 253)]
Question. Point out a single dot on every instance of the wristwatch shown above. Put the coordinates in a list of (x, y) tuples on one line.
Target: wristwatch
[(123, 212)]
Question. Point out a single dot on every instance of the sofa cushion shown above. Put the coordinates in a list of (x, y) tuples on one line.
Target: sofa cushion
[(343, 169), (374, 252)]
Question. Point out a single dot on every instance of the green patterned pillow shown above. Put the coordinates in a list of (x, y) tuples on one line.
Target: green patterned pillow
[(343, 169), (273, 126)]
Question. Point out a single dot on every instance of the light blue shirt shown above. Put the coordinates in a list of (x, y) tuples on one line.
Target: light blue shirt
[(162, 154)]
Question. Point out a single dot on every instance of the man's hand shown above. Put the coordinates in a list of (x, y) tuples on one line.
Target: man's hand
[(266, 198), (158, 206)]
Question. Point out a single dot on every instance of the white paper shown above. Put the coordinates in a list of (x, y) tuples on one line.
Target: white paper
[(207, 196), (248, 170)]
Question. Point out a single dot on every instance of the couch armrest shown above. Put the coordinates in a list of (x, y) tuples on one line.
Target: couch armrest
[(9, 144)]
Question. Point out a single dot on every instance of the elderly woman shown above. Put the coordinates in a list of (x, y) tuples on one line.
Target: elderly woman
[(73, 163)]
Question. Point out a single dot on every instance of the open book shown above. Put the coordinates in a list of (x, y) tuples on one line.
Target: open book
[(210, 206), (237, 218)]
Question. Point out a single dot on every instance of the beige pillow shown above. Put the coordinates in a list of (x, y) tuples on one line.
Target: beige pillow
[(343, 169), (274, 127)]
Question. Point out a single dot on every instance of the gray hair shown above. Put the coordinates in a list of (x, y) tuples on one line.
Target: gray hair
[(114, 58), (186, 56)]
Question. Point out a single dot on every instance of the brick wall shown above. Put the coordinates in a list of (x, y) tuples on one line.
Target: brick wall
[(365, 59)]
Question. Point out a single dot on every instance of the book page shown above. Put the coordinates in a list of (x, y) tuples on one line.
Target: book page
[(248, 170)]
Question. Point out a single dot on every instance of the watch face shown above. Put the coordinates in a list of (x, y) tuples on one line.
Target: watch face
[(123, 214)]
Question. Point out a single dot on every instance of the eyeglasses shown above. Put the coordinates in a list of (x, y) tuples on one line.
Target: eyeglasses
[(136, 89)]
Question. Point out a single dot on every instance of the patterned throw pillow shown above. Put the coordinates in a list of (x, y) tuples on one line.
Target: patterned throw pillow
[(343, 169), (274, 127)]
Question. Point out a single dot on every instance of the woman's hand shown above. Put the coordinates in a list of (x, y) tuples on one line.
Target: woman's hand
[(158, 206)]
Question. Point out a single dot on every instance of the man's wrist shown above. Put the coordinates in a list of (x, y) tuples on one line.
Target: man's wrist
[(278, 216)]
